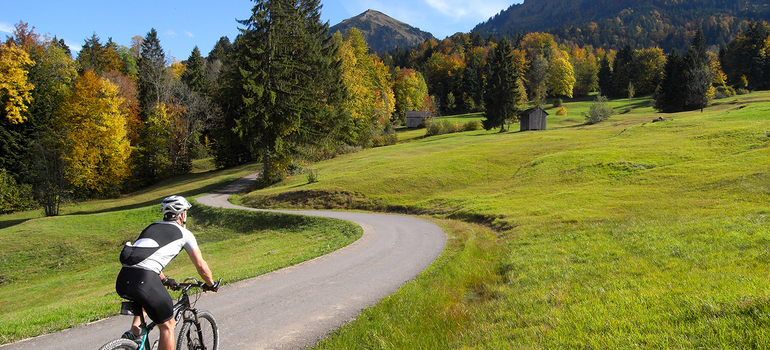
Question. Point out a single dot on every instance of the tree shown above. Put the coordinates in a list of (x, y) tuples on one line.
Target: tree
[(284, 76), (536, 78), (472, 85), (586, 72), (99, 58), (502, 98), (15, 87), (443, 73), (622, 72), (746, 59), (670, 97), (561, 77), (153, 76), (410, 92), (370, 101), (647, 70), (95, 147), (194, 76), (697, 73), (604, 75)]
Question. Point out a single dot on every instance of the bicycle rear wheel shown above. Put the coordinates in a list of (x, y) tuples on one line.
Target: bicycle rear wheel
[(120, 344), (191, 339)]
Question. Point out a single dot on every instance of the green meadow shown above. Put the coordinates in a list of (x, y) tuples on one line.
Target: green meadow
[(623, 234)]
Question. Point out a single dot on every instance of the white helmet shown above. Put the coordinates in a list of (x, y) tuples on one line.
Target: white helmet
[(173, 206)]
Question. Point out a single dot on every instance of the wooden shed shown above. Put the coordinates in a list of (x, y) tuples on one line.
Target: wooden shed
[(416, 118), (533, 119)]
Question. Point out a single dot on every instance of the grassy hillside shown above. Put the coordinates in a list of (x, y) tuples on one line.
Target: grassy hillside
[(59, 272), (624, 234)]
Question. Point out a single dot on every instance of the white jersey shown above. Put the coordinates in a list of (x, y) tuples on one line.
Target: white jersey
[(158, 244)]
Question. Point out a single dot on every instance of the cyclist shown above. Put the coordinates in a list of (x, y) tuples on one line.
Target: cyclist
[(142, 279)]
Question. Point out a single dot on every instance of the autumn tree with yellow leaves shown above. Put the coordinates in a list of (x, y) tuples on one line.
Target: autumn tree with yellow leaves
[(15, 88), (94, 142)]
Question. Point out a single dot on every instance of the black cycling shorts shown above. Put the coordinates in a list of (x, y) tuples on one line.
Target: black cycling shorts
[(145, 287)]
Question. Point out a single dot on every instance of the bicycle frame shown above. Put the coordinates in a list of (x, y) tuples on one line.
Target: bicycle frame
[(133, 308)]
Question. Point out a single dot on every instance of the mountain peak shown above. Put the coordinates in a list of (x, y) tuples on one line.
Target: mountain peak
[(382, 32)]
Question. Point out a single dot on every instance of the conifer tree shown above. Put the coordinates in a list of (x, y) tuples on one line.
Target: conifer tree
[(153, 77), (670, 95), (283, 76), (502, 98), (194, 76), (604, 76)]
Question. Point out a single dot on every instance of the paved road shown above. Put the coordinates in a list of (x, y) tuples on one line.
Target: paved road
[(295, 307)]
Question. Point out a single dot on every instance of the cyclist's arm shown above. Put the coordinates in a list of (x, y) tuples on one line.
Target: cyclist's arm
[(203, 268)]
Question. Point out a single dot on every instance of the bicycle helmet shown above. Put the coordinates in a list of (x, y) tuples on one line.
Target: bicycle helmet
[(172, 206)]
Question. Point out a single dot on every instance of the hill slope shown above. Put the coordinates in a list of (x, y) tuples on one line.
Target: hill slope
[(641, 23), (382, 32)]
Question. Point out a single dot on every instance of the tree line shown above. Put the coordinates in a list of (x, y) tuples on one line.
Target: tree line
[(115, 119)]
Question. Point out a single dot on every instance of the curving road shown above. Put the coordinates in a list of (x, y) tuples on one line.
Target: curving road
[(295, 307)]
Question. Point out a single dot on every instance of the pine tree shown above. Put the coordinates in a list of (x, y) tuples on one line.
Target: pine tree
[(284, 79), (622, 72), (604, 76), (502, 97), (670, 95), (194, 76), (153, 77)]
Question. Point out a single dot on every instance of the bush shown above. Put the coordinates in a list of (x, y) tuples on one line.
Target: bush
[(724, 92), (443, 127), (472, 125), (599, 112), (561, 111), (14, 196), (557, 102), (312, 176)]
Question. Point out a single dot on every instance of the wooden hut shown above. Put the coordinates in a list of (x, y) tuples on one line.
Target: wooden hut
[(533, 119), (416, 118)]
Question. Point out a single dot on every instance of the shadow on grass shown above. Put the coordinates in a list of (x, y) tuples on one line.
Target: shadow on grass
[(156, 201), (9, 223)]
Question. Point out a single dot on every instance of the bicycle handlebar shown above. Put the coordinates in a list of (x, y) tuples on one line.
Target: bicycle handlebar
[(185, 286)]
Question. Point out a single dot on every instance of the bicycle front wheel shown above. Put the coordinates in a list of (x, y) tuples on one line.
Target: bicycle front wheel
[(120, 344), (193, 338)]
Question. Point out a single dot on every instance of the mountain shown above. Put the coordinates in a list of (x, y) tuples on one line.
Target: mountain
[(382, 32), (641, 23)]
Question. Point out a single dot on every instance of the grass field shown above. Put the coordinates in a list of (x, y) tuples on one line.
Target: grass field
[(59, 272), (623, 234)]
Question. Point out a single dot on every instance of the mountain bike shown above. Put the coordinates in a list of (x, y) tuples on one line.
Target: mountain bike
[(198, 329)]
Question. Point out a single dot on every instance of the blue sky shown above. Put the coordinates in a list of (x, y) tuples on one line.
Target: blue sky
[(182, 25)]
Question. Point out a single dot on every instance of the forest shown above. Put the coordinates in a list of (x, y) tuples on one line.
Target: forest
[(285, 91)]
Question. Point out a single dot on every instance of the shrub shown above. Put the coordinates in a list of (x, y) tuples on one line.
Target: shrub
[(599, 111), (472, 125), (312, 176), (561, 111), (557, 102), (14, 196), (724, 92)]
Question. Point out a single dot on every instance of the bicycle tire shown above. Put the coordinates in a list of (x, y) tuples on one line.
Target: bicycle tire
[(120, 344), (188, 334)]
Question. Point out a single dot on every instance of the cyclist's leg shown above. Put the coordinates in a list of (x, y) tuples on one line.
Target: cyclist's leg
[(166, 329), (136, 325)]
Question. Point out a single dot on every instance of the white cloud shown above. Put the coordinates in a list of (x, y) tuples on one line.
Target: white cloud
[(6, 28), (170, 33), (189, 35)]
